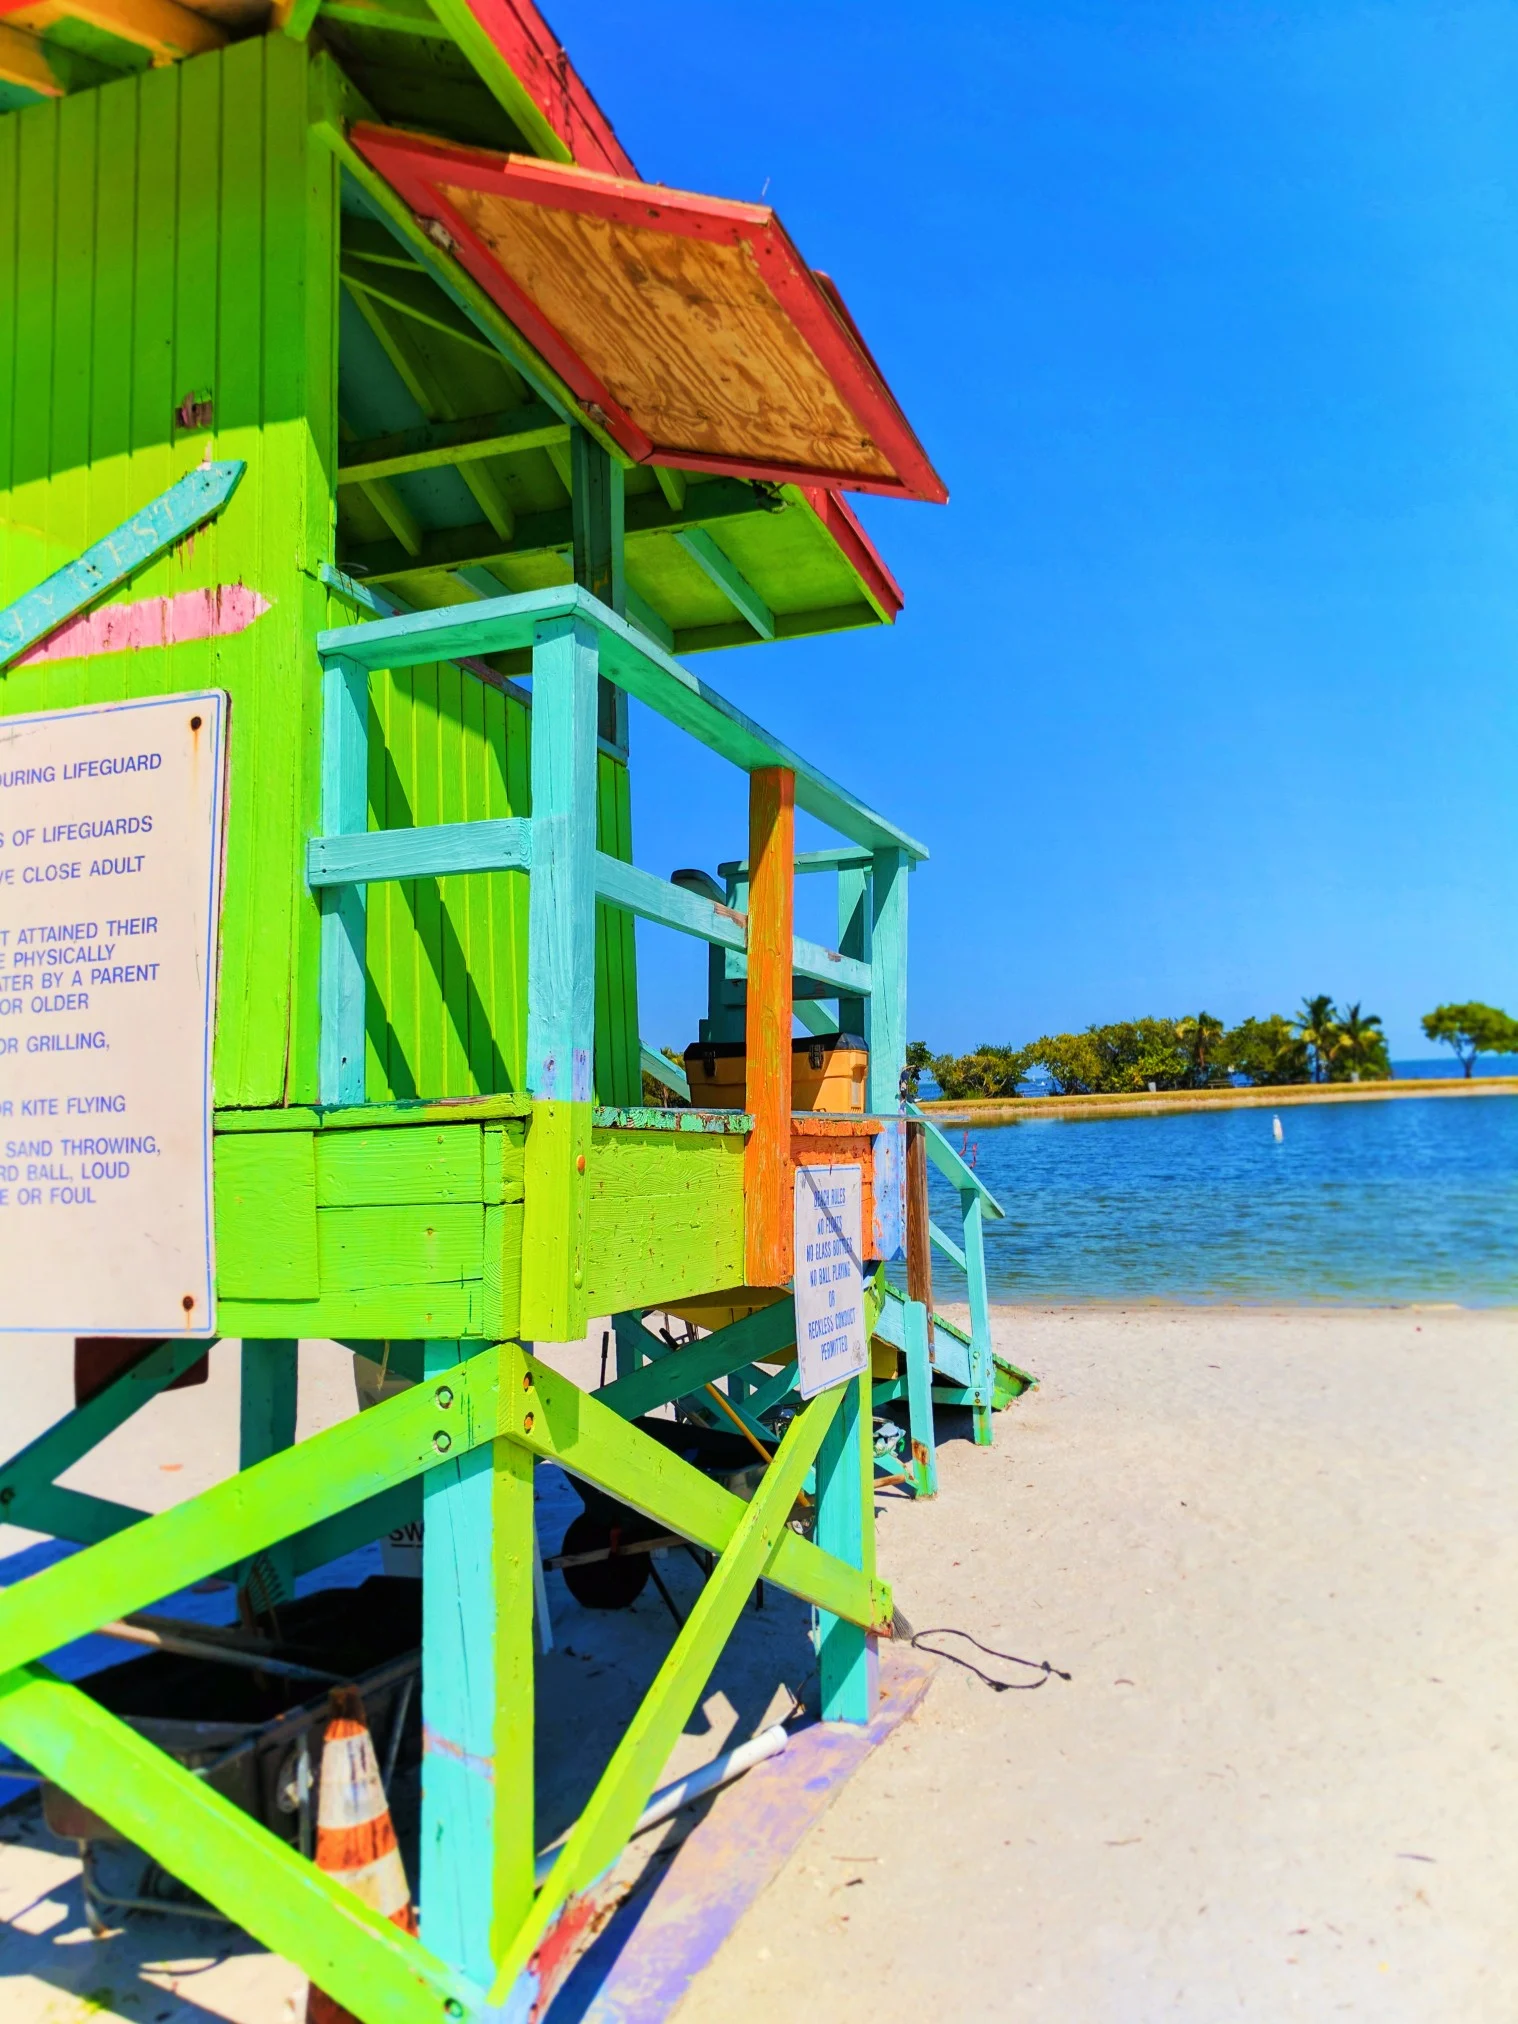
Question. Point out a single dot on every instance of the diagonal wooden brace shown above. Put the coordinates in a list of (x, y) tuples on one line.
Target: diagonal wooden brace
[(495, 1392), (556, 1420), (751, 1552), (284, 1901)]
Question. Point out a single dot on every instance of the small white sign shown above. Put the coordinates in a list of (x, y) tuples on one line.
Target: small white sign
[(110, 879), (831, 1340)]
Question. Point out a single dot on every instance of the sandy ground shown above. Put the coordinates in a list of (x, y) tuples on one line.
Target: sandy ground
[(1274, 1550)]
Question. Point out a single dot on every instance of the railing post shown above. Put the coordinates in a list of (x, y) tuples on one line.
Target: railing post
[(267, 1427), (914, 1328), (846, 1528), (478, 1815), (561, 979), (769, 1217), (345, 811), (854, 939), (982, 1369), (885, 1011)]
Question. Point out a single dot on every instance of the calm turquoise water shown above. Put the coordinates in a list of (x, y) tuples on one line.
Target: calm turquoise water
[(1414, 1198)]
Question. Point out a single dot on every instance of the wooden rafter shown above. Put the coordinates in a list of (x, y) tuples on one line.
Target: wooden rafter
[(427, 390), (532, 427), (721, 570), (23, 61), (162, 27), (539, 533)]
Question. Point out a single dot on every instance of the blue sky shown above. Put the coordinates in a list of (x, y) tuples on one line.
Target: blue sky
[(1204, 690)]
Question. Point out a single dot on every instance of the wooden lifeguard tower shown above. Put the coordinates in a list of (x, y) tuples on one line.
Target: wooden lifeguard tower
[(360, 403)]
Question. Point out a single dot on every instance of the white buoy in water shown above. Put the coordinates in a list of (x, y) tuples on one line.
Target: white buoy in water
[(1276, 1131)]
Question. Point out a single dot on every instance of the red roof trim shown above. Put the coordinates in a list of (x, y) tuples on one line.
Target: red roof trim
[(860, 552), (550, 80), (415, 165)]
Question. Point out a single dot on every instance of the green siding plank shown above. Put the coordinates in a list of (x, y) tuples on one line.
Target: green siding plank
[(266, 1216), (375, 1169)]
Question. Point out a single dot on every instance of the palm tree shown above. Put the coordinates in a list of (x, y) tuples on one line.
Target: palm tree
[(1200, 1037), (1360, 1040), (1316, 1026)]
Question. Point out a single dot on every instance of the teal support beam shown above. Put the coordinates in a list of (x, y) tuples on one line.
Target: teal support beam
[(843, 1658), (345, 812), (684, 1371), (633, 1344), (598, 518), (561, 931), (478, 1836), (914, 1326), (854, 937), (125, 551), (437, 850), (885, 1022), (561, 980), (269, 1370)]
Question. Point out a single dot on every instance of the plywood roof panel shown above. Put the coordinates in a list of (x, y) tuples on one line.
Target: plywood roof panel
[(690, 323)]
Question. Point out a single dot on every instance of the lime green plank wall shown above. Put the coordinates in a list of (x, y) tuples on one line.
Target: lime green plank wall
[(173, 235), (448, 957)]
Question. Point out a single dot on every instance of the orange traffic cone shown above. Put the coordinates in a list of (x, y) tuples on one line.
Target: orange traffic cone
[(355, 1837)]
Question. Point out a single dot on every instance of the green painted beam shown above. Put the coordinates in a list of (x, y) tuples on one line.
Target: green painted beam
[(467, 27), (637, 665), (560, 1423), (721, 570), (290, 1906), (424, 449), (229, 1523)]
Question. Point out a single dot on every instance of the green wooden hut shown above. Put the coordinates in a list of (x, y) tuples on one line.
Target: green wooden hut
[(351, 379)]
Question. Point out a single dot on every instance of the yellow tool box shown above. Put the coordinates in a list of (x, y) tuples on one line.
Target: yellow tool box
[(827, 1073)]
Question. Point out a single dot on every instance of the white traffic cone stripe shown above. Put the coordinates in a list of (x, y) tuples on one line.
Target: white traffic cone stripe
[(351, 1792), (380, 1885)]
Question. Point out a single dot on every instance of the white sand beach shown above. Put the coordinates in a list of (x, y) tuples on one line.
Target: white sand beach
[(1275, 1550)]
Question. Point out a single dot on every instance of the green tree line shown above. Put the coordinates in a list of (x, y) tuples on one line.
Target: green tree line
[(1319, 1044)]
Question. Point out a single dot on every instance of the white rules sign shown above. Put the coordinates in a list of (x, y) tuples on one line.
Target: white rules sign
[(831, 1342), (110, 878)]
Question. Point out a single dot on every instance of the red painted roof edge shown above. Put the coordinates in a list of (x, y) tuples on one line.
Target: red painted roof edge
[(551, 81), (863, 557)]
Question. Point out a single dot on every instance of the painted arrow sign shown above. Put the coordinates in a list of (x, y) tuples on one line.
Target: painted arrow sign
[(109, 563)]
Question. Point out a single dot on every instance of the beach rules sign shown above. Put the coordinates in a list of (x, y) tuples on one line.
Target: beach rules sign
[(110, 880), (831, 1342)]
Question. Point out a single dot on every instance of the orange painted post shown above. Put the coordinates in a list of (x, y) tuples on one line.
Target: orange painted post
[(767, 1030)]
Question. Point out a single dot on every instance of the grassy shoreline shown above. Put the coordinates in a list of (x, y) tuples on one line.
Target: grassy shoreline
[(1008, 1109)]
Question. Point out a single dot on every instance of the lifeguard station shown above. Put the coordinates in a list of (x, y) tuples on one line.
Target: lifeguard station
[(369, 434)]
